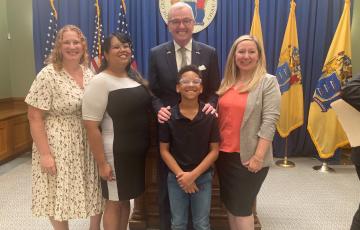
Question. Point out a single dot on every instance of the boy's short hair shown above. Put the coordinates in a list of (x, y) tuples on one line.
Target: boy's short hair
[(188, 68)]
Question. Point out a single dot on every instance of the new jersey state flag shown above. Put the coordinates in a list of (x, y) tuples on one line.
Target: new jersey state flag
[(288, 74), (323, 125), (256, 30)]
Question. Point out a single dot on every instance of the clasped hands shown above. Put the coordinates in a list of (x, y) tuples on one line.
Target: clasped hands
[(186, 181), (254, 164)]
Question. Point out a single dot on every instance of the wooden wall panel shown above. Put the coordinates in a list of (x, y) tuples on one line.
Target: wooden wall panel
[(15, 135), (21, 134), (5, 150)]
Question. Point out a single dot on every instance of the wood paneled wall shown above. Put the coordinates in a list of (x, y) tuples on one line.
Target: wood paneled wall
[(15, 135)]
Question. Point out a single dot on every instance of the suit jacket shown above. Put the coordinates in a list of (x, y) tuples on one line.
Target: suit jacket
[(163, 73), (261, 114), (351, 92)]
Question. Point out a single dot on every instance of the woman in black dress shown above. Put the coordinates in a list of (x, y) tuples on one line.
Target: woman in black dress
[(115, 112)]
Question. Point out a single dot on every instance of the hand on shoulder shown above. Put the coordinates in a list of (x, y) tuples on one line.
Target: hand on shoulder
[(164, 114)]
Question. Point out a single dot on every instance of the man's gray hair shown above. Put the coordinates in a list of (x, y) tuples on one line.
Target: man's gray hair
[(179, 5)]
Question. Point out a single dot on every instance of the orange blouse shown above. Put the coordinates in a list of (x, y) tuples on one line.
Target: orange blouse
[(231, 111)]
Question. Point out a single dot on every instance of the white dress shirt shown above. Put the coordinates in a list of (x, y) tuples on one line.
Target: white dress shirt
[(188, 48)]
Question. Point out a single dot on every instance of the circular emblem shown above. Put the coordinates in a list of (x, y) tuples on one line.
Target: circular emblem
[(204, 11)]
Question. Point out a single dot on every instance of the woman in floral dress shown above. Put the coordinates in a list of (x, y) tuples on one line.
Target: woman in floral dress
[(65, 181)]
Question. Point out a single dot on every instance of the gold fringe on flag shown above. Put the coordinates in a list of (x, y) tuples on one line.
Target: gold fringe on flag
[(98, 30), (53, 9), (123, 5)]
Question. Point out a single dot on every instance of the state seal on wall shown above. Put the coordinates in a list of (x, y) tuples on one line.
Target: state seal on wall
[(204, 11)]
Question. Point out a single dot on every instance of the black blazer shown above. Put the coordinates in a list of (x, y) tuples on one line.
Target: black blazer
[(351, 92), (163, 73)]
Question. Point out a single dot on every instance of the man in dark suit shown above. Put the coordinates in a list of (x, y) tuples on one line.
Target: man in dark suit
[(165, 62), (351, 94)]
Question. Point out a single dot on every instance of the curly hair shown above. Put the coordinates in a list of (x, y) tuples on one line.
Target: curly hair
[(56, 58), (189, 68)]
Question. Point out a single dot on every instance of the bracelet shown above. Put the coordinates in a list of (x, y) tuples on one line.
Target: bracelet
[(257, 159)]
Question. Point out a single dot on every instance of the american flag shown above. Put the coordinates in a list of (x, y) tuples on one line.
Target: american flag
[(122, 27), (98, 39), (52, 31)]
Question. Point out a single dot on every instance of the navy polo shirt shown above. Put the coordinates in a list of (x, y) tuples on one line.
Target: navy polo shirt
[(189, 139)]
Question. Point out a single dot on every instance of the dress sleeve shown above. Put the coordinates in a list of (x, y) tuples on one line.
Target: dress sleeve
[(95, 99), (41, 94)]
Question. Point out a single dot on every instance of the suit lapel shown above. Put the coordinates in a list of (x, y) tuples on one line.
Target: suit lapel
[(171, 58), (195, 54)]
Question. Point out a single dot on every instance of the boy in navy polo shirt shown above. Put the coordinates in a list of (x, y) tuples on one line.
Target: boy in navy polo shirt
[(189, 146)]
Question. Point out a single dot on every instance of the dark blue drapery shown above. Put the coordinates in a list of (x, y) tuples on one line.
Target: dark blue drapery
[(316, 19)]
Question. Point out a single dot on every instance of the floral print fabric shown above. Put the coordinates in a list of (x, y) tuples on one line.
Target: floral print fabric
[(74, 191)]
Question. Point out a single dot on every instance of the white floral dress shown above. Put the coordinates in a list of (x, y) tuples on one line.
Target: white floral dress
[(74, 192)]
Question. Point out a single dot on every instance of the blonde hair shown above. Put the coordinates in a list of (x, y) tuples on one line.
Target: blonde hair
[(232, 72), (55, 58)]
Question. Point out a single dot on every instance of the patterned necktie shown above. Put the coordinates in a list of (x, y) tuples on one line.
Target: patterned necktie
[(183, 57)]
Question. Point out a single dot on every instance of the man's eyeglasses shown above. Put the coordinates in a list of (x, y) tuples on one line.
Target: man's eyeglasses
[(188, 82), (185, 21)]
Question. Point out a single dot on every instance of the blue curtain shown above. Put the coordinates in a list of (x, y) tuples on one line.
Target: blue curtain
[(316, 19)]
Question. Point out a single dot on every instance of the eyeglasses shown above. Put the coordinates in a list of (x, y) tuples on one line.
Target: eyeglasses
[(188, 82), (185, 21)]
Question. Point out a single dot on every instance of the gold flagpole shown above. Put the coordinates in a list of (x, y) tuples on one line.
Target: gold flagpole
[(285, 163)]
